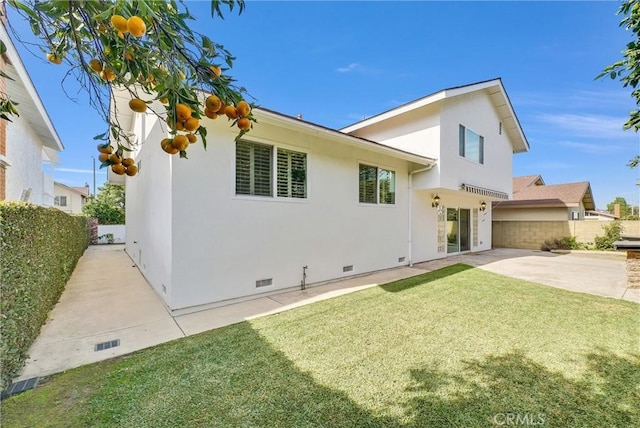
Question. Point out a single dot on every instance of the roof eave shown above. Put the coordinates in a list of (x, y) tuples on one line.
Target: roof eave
[(289, 121), (50, 138)]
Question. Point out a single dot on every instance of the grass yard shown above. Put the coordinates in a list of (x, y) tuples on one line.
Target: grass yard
[(458, 347)]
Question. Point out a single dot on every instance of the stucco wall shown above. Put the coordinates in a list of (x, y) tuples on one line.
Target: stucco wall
[(531, 234), (476, 112), (148, 213), (74, 200), (24, 154), (531, 214), (111, 233), (224, 243)]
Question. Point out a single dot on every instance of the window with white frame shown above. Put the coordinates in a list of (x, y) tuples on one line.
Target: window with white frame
[(60, 201), (376, 185), (292, 174), (254, 171), (471, 145)]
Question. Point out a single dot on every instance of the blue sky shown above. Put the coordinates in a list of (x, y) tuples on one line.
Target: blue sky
[(337, 62)]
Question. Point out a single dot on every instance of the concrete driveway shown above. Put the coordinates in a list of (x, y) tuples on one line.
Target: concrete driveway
[(99, 307), (599, 273)]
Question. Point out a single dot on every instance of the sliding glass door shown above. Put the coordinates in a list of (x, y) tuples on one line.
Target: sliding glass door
[(458, 230)]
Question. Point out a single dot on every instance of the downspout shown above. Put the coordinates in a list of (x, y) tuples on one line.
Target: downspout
[(410, 231)]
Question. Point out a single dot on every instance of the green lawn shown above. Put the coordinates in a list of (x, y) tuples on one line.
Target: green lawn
[(458, 347)]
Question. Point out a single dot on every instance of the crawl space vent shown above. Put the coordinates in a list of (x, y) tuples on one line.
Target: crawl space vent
[(264, 282)]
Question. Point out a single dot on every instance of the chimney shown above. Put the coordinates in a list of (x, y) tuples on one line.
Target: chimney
[(299, 117), (616, 210)]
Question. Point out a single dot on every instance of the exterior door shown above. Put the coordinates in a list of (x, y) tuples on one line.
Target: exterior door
[(464, 232), (458, 230)]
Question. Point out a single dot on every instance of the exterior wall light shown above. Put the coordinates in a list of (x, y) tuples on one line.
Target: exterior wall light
[(435, 201), (483, 206)]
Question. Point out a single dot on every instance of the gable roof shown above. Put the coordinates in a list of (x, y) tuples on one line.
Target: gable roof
[(549, 196), (494, 88), (82, 191), (525, 181), (23, 92)]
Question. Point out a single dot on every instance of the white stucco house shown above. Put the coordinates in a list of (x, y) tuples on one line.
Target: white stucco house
[(29, 143), (70, 199), (241, 219)]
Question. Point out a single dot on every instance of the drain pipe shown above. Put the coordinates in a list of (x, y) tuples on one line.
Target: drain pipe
[(303, 283), (410, 226)]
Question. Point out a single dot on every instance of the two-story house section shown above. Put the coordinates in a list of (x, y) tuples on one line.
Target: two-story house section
[(29, 143), (294, 201), (473, 132)]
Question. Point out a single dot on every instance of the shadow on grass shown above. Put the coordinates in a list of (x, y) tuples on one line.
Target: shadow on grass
[(424, 278), (229, 377), (514, 388)]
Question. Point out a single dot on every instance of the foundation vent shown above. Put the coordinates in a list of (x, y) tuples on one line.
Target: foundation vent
[(106, 345), (401, 259), (264, 282), (347, 268)]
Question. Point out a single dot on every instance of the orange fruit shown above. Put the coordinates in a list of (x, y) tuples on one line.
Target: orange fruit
[(183, 112), (131, 170), (95, 65), (54, 58), (215, 71), (138, 105), (115, 159), (105, 148), (136, 26), (213, 103), (180, 142), (211, 114), (119, 22), (167, 146), (221, 109), (108, 74), (121, 34), (128, 56), (180, 126), (244, 123), (164, 100), (102, 157), (192, 124), (231, 112), (243, 108), (128, 162), (192, 138), (118, 169)]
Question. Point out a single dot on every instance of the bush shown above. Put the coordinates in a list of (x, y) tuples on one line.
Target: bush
[(612, 233), (39, 248), (566, 243)]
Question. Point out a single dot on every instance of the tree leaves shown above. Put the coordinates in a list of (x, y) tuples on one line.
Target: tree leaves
[(169, 61), (628, 69)]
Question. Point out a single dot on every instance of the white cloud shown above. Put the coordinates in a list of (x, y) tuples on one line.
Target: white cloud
[(592, 148), (351, 67), (79, 171), (586, 125)]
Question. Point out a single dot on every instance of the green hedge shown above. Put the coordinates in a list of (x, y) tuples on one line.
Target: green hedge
[(39, 248)]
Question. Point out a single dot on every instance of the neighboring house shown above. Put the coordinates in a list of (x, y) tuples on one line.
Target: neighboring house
[(600, 215), (294, 201), (70, 199), (533, 200), (29, 143)]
